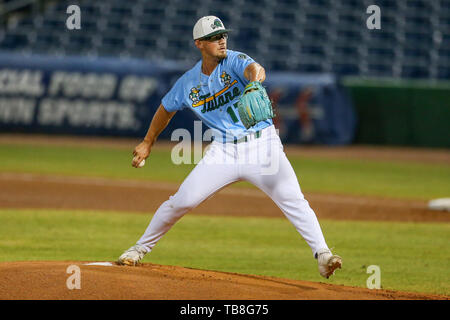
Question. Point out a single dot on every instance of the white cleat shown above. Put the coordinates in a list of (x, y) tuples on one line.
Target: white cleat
[(132, 256), (328, 262)]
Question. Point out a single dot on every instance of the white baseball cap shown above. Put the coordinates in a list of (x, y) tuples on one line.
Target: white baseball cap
[(208, 26)]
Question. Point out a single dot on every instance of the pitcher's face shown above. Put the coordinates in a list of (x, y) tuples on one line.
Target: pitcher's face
[(215, 46)]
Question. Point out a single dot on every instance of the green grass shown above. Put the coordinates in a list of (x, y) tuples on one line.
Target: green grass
[(373, 178), (353, 177), (412, 257), (85, 161)]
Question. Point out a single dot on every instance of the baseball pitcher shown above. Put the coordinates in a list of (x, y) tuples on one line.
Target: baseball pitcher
[(224, 89)]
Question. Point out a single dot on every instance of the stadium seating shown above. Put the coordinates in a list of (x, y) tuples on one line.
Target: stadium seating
[(290, 35)]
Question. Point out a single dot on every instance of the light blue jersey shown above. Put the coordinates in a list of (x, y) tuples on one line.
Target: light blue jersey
[(214, 98)]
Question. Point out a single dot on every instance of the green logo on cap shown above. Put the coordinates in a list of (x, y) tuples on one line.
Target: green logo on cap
[(217, 24)]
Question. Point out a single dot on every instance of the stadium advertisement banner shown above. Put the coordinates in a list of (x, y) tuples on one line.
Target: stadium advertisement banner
[(311, 109), (81, 95), (113, 97)]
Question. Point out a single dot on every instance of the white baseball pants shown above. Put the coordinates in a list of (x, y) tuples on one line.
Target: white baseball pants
[(260, 161)]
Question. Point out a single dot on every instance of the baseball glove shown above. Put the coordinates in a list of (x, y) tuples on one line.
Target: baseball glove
[(254, 105)]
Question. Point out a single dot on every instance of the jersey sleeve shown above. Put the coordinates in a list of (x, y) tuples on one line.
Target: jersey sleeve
[(238, 62), (174, 99)]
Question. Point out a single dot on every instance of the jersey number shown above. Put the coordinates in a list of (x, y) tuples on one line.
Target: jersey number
[(232, 114)]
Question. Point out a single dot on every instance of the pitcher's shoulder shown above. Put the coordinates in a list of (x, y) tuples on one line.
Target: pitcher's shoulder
[(239, 55), (236, 54), (194, 71), (191, 75)]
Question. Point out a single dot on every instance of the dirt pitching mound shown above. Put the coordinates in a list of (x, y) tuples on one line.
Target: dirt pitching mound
[(49, 280)]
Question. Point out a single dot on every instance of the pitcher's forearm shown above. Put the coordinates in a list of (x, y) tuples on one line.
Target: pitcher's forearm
[(255, 72), (159, 122)]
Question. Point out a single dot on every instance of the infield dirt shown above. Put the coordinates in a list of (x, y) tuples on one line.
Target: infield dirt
[(47, 281)]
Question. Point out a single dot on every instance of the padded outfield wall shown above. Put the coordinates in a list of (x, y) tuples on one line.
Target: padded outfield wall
[(405, 113)]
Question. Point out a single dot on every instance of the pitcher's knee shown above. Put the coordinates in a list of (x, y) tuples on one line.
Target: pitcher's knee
[(295, 204), (288, 196), (181, 205)]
